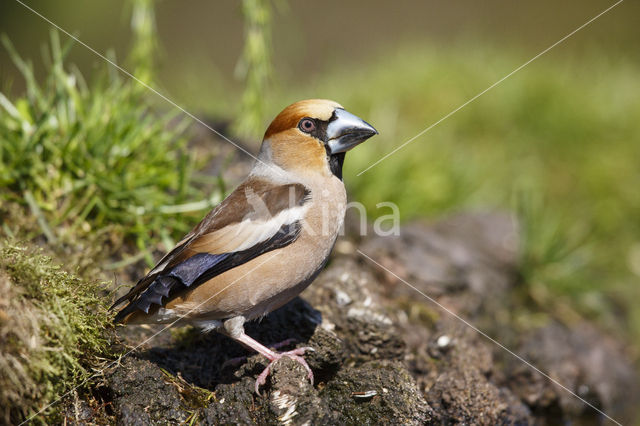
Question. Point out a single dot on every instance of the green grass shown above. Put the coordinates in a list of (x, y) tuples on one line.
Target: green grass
[(90, 156), (558, 143)]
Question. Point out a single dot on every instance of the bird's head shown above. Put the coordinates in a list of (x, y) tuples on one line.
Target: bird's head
[(313, 136)]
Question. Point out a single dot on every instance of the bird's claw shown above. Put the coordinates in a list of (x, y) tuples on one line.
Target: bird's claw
[(296, 355), (262, 379), (234, 362)]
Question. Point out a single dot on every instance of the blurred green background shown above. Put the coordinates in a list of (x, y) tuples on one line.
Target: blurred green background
[(558, 142)]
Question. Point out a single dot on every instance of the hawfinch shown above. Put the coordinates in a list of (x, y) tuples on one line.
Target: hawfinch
[(264, 243)]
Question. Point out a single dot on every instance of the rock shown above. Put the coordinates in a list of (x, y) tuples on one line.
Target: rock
[(457, 379), (293, 398), (589, 363), (234, 407), (386, 354), (364, 325), (458, 261), (376, 392), (142, 395)]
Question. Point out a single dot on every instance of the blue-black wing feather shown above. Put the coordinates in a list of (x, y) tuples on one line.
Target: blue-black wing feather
[(200, 268)]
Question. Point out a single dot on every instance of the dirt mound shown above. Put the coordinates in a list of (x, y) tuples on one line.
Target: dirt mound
[(384, 353)]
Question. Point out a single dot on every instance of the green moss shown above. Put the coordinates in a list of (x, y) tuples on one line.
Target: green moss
[(53, 331), (418, 311)]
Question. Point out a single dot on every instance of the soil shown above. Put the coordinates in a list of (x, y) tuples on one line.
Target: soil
[(384, 353)]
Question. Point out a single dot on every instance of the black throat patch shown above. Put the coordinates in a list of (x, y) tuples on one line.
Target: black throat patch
[(335, 160), (335, 164)]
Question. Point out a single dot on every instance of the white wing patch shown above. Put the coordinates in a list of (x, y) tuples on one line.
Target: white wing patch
[(248, 233)]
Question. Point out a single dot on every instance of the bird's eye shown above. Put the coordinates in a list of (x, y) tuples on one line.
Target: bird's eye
[(307, 125)]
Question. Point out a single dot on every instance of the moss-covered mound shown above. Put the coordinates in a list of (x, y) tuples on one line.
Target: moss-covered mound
[(53, 331)]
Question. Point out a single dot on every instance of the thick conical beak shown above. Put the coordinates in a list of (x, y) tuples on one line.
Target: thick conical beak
[(346, 131)]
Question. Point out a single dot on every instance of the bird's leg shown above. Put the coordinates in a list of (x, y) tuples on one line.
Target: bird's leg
[(234, 328), (240, 359), (273, 356)]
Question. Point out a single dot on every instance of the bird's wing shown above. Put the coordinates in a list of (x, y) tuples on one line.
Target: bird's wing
[(257, 217)]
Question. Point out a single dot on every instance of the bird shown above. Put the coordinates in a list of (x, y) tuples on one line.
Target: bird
[(266, 241)]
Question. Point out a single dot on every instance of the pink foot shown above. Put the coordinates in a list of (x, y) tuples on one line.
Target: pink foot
[(295, 355), (234, 362)]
